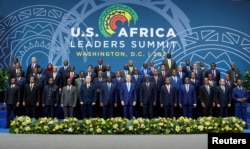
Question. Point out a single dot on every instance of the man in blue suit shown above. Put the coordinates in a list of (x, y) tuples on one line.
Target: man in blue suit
[(128, 97), (88, 97), (187, 98), (240, 96), (108, 98), (145, 70)]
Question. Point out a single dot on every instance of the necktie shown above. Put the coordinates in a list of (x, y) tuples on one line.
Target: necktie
[(68, 88), (147, 85), (12, 86), (223, 89), (87, 85), (128, 86), (31, 86), (187, 88), (168, 88), (136, 77), (82, 81), (71, 75), (155, 79), (100, 67), (109, 86), (208, 90), (163, 73)]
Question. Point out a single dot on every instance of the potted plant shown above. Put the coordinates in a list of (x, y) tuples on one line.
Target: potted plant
[(3, 83)]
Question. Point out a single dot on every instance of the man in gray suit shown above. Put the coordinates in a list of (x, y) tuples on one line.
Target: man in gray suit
[(68, 99)]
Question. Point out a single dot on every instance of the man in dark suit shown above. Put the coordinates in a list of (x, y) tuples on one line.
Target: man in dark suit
[(223, 98), (63, 71), (159, 81), (99, 67), (125, 71), (169, 62), (233, 73), (14, 71), (78, 84), (207, 97), (31, 98), (137, 79), (198, 73), (187, 98), (91, 73), (240, 96), (21, 82), (68, 99), (50, 98), (57, 77), (128, 97), (88, 98), (214, 72), (99, 80), (163, 72), (187, 68), (230, 85), (108, 98), (118, 80), (13, 65), (168, 98), (108, 72), (12, 99), (147, 97), (71, 75), (31, 67)]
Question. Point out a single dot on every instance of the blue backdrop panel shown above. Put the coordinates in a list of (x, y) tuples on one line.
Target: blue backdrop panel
[(118, 31)]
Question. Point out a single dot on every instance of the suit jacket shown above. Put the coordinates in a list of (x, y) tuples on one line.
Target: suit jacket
[(149, 72), (111, 73), (98, 84), (69, 97), (118, 84), (73, 79), (108, 97), (167, 74), (182, 76), (123, 73), (177, 83), (30, 69), (128, 97), (148, 95), (199, 75), (92, 75), (173, 64), (223, 98), (78, 84), (21, 82), (12, 95), (96, 69), (187, 98), (234, 75), (137, 82), (31, 97), (58, 80), (168, 98), (158, 83), (237, 93), (88, 95), (217, 75), (63, 71), (185, 69), (205, 97), (50, 95)]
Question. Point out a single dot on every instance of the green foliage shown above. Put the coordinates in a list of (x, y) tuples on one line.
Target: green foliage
[(118, 125), (3, 80), (246, 80)]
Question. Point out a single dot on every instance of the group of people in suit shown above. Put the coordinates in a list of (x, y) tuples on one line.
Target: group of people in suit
[(170, 91)]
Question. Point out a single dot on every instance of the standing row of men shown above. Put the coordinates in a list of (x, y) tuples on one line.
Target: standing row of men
[(150, 89)]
